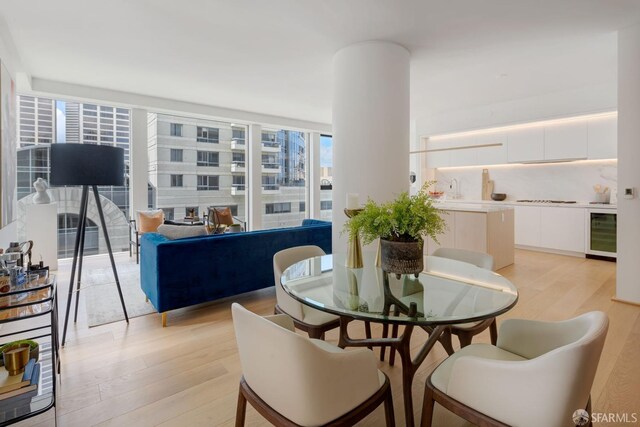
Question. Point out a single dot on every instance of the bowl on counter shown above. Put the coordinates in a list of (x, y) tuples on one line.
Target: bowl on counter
[(498, 197)]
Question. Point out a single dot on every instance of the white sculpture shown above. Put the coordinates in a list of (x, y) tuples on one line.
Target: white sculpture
[(41, 197)]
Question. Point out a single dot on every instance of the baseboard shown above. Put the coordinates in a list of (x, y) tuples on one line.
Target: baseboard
[(551, 251), (624, 301)]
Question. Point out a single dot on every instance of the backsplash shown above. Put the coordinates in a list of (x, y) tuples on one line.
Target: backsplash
[(556, 181)]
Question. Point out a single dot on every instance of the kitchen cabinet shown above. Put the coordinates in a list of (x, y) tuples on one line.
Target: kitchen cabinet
[(566, 140), (481, 230), (602, 138), (562, 229), (527, 225), (438, 159), (464, 157), (525, 145), (491, 155)]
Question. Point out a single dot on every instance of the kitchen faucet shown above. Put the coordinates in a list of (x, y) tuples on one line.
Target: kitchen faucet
[(456, 193)]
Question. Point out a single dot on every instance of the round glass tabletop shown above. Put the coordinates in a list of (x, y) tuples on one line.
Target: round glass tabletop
[(447, 292)]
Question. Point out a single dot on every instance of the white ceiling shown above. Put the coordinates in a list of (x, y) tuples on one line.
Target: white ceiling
[(274, 56)]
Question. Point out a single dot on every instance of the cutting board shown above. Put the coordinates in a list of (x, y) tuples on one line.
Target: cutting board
[(485, 184)]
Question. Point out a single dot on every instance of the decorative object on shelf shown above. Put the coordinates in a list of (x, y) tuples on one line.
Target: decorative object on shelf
[(34, 349), (15, 358), (498, 197), (89, 166), (42, 196), (602, 194), (401, 226)]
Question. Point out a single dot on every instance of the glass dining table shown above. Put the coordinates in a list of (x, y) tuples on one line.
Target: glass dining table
[(447, 292)]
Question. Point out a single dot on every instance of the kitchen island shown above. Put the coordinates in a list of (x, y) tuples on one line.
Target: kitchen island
[(484, 228)]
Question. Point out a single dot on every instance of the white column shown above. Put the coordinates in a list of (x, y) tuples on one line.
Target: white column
[(254, 177), (628, 267), (138, 162), (314, 176), (370, 126)]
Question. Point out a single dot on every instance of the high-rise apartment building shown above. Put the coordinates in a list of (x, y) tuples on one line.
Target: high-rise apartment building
[(36, 121), (195, 163)]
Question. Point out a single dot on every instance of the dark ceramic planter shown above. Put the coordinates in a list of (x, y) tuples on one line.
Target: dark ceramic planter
[(401, 257)]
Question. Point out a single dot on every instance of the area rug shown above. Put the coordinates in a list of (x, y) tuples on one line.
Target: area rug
[(101, 294)]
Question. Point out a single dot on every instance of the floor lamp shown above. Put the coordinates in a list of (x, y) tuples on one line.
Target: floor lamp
[(87, 165)]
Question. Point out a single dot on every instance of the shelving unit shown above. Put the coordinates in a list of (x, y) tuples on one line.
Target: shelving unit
[(34, 302)]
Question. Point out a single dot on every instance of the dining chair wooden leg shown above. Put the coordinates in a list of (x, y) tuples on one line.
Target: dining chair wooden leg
[(383, 348), (367, 333), (465, 339), (388, 409), (493, 331), (427, 407), (316, 333), (241, 409)]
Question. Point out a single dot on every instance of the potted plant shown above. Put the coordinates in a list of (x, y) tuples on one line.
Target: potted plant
[(401, 226), (34, 349)]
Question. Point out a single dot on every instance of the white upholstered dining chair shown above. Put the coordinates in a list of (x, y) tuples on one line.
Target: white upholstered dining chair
[(466, 331), (312, 321), (292, 380), (539, 374)]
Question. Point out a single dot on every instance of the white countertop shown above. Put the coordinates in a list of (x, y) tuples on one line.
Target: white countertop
[(491, 205)]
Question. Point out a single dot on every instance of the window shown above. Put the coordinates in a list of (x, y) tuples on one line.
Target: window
[(276, 208), (168, 213), (208, 158), (176, 129), (269, 182), (176, 155), (238, 158), (284, 171), (326, 205), (208, 134), (238, 182), (176, 180), (238, 134), (208, 182), (326, 178)]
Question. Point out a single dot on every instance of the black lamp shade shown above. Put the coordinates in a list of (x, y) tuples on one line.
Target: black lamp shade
[(86, 164)]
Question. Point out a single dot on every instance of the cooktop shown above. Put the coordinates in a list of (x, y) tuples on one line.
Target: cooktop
[(546, 201)]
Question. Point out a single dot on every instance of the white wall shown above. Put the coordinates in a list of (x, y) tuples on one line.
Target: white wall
[(628, 271)]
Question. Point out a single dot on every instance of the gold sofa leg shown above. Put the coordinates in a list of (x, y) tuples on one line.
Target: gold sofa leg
[(164, 320)]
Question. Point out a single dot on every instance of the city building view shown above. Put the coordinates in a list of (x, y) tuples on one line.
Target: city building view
[(44, 121), (194, 164)]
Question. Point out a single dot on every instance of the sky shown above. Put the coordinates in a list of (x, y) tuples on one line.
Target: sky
[(326, 151)]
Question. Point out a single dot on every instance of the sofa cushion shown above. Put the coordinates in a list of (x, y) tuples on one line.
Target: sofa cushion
[(173, 232), (149, 221)]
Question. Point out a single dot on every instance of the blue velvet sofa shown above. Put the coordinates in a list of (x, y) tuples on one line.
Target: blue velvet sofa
[(184, 272)]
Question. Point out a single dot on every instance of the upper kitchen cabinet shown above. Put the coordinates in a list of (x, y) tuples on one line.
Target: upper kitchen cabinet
[(566, 141), (492, 148), (602, 136), (438, 159), (526, 145)]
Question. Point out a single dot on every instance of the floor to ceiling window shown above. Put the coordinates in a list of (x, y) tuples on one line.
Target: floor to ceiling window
[(284, 178), (196, 164), (45, 121), (326, 176)]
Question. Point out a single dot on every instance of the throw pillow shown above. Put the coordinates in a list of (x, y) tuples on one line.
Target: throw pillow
[(149, 221), (173, 232)]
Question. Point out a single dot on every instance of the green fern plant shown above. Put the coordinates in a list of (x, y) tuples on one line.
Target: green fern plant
[(406, 219)]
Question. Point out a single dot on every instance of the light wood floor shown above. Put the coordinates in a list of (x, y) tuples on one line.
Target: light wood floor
[(187, 374)]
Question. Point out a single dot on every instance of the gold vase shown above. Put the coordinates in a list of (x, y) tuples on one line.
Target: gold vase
[(354, 251)]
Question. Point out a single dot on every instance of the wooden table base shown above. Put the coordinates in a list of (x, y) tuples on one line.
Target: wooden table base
[(402, 345)]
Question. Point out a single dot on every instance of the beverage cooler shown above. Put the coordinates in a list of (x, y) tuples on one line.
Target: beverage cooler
[(601, 233)]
